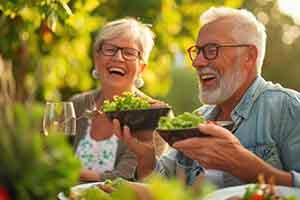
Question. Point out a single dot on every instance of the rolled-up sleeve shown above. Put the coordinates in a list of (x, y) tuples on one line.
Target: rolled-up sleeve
[(295, 179), (166, 165)]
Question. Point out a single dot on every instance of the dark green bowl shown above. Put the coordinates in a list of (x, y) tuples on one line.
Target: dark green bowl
[(140, 120), (173, 135)]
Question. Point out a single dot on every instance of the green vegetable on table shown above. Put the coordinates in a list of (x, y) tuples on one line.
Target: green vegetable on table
[(127, 101), (185, 120), (92, 193), (262, 192)]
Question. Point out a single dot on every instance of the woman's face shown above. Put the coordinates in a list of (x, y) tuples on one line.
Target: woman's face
[(119, 68)]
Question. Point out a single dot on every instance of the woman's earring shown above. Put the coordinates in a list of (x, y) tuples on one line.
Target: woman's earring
[(95, 74), (139, 82)]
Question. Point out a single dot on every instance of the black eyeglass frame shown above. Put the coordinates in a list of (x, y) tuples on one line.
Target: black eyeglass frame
[(100, 50), (213, 45)]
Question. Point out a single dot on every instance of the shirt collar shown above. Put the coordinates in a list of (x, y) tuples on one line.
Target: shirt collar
[(243, 108)]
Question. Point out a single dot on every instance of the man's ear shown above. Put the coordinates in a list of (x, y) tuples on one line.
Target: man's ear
[(250, 59), (251, 56)]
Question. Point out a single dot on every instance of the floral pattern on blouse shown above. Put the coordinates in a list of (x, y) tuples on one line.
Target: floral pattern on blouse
[(96, 155)]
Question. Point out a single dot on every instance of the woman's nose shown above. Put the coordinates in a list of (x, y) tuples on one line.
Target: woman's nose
[(118, 55)]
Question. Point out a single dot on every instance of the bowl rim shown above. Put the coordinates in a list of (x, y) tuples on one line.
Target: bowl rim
[(143, 109), (222, 123)]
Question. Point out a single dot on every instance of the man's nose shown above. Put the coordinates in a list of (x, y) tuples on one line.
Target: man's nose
[(200, 60)]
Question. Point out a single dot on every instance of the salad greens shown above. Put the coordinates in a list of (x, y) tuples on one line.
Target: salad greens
[(185, 120), (120, 191), (115, 183), (90, 193), (127, 101), (159, 188), (263, 192)]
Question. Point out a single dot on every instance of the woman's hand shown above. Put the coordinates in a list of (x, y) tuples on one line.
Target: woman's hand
[(142, 147), (87, 175)]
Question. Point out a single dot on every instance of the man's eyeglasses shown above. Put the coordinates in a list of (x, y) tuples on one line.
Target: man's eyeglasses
[(210, 51), (129, 54)]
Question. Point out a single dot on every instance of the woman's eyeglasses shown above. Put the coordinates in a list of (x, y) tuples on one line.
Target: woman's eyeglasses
[(129, 54), (210, 51)]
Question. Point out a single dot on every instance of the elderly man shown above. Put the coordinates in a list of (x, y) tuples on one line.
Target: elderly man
[(228, 57)]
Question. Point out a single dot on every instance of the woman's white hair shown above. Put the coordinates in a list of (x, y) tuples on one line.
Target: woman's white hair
[(247, 29), (131, 28)]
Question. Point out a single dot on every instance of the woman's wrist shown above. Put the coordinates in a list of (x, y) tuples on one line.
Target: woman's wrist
[(145, 166)]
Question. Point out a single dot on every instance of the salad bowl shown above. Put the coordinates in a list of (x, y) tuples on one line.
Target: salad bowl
[(140, 119), (173, 135), (237, 192)]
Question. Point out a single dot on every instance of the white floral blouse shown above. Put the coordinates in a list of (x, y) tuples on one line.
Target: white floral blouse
[(95, 155)]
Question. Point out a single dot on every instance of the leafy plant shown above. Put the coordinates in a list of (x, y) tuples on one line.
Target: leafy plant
[(33, 166), (185, 120), (49, 42), (127, 101)]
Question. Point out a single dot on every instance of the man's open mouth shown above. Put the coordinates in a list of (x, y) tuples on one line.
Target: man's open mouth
[(207, 77)]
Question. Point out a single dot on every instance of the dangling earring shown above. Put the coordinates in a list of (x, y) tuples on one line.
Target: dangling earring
[(95, 74), (139, 82)]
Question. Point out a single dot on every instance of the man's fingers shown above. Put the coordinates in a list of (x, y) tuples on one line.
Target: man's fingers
[(214, 130), (190, 143)]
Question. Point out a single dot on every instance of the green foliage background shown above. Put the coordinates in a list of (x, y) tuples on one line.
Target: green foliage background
[(49, 43), (32, 166)]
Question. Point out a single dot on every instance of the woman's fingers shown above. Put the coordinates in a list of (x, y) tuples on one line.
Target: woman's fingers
[(117, 129), (126, 134)]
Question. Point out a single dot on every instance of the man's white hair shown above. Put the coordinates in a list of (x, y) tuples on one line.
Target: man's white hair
[(131, 28), (247, 29)]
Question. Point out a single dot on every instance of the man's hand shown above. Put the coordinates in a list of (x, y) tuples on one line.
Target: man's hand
[(142, 147), (221, 150)]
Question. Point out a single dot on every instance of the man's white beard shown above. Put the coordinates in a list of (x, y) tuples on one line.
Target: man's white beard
[(229, 84)]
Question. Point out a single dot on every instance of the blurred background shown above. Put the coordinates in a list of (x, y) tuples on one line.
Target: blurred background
[(45, 45)]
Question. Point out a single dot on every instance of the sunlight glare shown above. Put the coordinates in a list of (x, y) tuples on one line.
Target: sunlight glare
[(291, 8)]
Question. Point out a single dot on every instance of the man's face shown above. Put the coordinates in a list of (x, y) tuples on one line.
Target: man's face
[(220, 78)]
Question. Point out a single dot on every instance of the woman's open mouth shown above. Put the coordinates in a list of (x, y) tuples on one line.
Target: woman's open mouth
[(117, 71)]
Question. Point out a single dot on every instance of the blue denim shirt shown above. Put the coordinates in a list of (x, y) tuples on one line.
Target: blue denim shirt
[(266, 121)]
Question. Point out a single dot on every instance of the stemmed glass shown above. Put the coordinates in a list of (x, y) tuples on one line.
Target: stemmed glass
[(91, 108), (59, 117)]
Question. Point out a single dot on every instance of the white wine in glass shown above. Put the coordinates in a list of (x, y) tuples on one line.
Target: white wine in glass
[(60, 117)]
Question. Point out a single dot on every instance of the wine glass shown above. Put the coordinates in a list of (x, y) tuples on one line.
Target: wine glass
[(59, 117), (91, 107)]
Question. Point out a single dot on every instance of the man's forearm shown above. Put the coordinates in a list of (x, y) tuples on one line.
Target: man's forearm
[(249, 170)]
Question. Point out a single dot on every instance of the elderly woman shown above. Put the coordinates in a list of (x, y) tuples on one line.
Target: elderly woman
[(120, 54)]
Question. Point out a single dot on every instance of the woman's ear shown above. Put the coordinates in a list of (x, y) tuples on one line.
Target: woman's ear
[(142, 67)]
